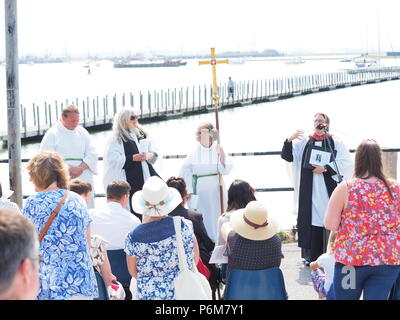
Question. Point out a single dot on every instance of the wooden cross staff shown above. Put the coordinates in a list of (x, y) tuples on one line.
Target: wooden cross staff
[(215, 98)]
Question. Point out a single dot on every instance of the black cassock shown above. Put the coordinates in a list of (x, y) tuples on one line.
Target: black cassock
[(134, 170), (312, 239)]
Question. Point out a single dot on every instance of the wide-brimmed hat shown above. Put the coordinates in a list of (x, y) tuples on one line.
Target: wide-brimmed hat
[(156, 198), (254, 222), (5, 192)]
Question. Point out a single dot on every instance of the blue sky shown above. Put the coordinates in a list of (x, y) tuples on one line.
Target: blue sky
[(79, 27)]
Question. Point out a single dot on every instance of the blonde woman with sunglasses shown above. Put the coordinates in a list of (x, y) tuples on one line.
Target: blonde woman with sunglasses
[(129, 154)]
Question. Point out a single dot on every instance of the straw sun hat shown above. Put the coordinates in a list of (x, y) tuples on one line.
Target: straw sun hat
[(156, 198), (254, 222)]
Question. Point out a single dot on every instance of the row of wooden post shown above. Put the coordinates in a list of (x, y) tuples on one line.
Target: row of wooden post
[(188, 99)]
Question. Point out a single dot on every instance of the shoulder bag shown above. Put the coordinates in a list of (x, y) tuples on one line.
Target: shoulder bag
[(53, 215), (189, 284)]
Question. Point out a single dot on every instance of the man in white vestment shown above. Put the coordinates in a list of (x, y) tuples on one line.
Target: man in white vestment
[(74, 144)]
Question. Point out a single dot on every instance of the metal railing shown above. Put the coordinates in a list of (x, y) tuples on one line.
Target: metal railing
[(386, 151)]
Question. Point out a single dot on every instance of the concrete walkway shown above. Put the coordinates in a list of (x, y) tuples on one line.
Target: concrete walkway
[(296, 274)]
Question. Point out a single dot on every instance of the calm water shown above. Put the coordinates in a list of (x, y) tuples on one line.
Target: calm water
[(369, 111)]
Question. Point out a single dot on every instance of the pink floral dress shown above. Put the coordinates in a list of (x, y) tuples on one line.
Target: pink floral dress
[(369, 231)]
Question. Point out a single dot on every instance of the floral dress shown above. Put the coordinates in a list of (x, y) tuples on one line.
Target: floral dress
[(369, 231), (154, 246), (66, 268)]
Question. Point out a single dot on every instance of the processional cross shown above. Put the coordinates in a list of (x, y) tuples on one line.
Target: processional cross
[(213, 62)]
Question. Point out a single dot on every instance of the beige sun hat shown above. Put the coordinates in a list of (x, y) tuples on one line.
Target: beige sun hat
[(156, 198), (254, 222)]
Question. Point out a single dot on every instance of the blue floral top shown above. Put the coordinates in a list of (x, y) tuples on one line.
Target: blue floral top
[(154, 246), (66, 268)]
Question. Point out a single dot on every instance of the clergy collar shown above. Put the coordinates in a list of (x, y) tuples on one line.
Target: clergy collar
[(320, 138)]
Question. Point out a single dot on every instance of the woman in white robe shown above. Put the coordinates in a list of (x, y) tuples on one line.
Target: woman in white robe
[(129, 153), (201, 171)]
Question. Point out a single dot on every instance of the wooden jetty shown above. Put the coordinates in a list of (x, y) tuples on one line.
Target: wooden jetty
[(157, 105)]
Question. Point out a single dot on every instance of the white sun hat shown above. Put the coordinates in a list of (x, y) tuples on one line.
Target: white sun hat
[(156, 198)]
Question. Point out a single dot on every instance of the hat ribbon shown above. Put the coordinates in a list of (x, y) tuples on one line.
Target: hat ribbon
[(156, 207), (254, 225)]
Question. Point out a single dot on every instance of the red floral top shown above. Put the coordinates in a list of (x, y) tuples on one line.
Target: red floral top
[(369, 231)]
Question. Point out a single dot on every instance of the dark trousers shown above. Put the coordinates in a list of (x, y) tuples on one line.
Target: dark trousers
[(374, 282), (319, 241)]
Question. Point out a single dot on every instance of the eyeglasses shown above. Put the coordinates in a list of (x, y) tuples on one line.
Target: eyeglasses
[(135, 117), (205, 131)]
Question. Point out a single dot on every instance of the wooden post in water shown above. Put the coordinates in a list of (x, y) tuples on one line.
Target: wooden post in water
[(34, 114), (84, 113), (389, 160), (199, 97), (104, 110), (25, 128), (97, 105), (148, 104), (50, 120), (187, 98), (45, 112), (94, 112), (13, 112), (114, 104), (38, 119)]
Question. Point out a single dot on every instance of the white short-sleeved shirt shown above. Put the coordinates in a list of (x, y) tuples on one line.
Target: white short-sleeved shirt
[(327, 261), (113, 223)]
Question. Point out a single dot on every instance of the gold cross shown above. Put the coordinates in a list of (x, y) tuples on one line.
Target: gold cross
[(215, 97), (213, 63)]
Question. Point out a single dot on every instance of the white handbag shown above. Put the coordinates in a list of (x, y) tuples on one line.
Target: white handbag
[(116, 291), (189, 284)]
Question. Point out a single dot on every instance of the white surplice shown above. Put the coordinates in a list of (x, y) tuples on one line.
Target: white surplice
[(205, 161), (320, 197), (73, 144)]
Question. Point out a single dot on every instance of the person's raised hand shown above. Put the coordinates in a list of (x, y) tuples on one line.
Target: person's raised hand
[(299, 134)]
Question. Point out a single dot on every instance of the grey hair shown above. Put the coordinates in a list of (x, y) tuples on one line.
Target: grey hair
[(121, 125), (18, 241)]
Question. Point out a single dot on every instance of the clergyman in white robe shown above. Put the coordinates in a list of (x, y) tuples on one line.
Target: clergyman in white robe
[(206, 165), (75, 146)]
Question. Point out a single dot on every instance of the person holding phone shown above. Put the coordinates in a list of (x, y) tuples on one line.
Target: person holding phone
[(129, 154)]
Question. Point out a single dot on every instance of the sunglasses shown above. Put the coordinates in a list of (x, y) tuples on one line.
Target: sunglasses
[(135, 117), (205, 131)]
